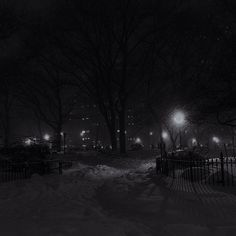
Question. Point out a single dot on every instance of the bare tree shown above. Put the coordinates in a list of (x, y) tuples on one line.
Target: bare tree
[(46, 92), (108, 47), (7, 97), (184, 65), (9, 24)]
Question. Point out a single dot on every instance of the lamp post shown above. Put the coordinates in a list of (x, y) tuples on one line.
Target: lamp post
[(150, 140), (179, 120), (64, 142)]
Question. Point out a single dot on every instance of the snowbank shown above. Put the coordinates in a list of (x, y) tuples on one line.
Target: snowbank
[(75, 204), (62, 205)]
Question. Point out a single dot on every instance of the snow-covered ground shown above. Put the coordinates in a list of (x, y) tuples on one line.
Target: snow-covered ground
[(105, 200), (62, 205)]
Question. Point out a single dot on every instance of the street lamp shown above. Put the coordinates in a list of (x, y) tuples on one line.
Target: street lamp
[(179, 120), (46, 137), (164, 135), (64, 142), (138, 140), (194, 141), (28, 142), (216, 140)]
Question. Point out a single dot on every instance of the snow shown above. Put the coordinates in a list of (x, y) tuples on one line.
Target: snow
[(61, 205), (108, 200)]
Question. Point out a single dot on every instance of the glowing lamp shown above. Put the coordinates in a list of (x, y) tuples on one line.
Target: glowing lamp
[(164, 135), (138, 140), (215, 139), (46, 137), (179, 118)]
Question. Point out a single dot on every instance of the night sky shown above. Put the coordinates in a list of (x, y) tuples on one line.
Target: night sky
[(194, 62)]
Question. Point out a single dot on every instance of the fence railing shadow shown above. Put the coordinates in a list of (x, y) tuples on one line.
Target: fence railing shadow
[(214, 171)]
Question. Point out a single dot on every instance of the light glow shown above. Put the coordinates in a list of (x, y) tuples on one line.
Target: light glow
[(46, 137), (138, 140), (216, 139), (28, 142), (194, 141), (179, 118), (164, 135)]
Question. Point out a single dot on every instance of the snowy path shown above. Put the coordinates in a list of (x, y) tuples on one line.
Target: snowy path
[(174, 208), (102, 200), (61, 205)]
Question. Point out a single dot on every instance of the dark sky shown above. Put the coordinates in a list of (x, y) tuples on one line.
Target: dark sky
[(23, 12), (12, 47)]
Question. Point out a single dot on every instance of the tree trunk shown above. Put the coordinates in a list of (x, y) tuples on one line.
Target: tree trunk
[(58, 138), (110, 123), (112, 132), (39, 128), (122, 133), (6, 126), (7, 134)]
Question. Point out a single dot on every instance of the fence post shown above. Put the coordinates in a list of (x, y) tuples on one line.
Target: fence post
[(191, 170), (222, 169), (191, 166), (156, 166), (60, 167), (173, 164), (166, 164)]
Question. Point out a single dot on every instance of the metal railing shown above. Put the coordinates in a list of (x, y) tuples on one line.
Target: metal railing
[(12, 171), (213, 171)]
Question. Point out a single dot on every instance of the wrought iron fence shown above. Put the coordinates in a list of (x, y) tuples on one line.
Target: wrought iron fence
[(214, 171), (11, 171)]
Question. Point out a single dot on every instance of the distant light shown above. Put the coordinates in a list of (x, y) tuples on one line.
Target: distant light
[(150, 133), (46, 137), (179, 118), (194, 141), (138, 140), (164, 135), (216, 139), (82, 133), (28, 142), (62, 133), (118, 131)]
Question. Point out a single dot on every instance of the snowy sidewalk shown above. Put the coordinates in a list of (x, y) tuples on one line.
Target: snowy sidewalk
[(102, 200), (61, 205), (174, 208)]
